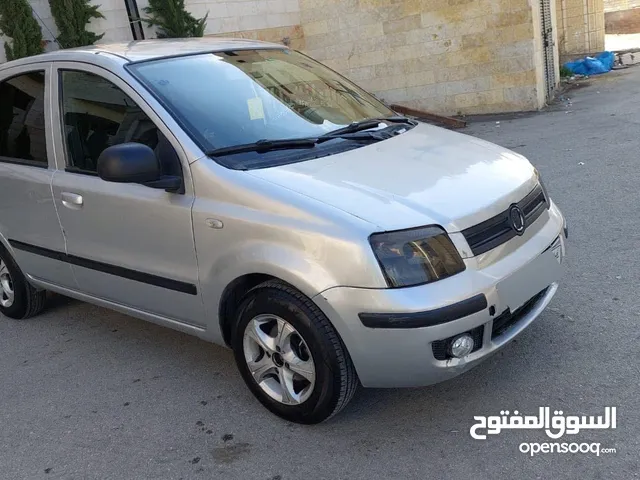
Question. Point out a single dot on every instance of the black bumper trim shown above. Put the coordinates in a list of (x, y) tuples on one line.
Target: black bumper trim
[(429, 318)]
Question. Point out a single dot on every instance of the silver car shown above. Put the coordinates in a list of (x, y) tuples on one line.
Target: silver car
[(244, 193)]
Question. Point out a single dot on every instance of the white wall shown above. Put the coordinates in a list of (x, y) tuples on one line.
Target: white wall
[(241, 15), (225, 16)]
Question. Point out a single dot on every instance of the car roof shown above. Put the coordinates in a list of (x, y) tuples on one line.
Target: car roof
[(141, 50)]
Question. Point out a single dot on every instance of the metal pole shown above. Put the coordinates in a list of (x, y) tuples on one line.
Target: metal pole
[(134, 19)]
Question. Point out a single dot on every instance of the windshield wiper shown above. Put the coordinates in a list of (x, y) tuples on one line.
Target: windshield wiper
[(265, 146), (367, 124), (355, 131)]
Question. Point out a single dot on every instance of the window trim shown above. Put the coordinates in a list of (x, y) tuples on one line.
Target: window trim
[(45, 69), (125, 82), (80, 171), (70, 167), (24, 161)]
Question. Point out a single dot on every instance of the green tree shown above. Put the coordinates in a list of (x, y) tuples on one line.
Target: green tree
[(172, 20), (72, 17), (17, 22)]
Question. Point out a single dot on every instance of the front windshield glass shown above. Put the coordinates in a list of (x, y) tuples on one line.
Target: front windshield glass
[(232, 98)]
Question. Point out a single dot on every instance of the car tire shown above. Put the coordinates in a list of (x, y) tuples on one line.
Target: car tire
[(311, 336), (18, 298)]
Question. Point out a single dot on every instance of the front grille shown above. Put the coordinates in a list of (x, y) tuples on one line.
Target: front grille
[(441, 347), (506, 319), (497, 230)]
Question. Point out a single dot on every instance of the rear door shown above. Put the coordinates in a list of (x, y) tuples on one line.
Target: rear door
[(127, 243), (28, 217)]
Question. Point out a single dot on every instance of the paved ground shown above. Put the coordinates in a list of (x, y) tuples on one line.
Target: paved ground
[(88, 393)]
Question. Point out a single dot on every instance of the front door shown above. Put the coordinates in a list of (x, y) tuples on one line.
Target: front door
[(127, 243)]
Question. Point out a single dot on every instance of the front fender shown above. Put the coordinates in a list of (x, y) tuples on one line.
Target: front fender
[(285, 263)]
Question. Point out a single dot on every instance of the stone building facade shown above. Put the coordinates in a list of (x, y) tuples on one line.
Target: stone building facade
[(622, 16), (444, 56), (580, 27)]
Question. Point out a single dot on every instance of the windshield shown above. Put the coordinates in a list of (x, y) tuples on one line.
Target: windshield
[(232, 98)]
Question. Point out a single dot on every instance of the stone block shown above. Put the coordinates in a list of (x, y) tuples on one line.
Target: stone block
[(403, 53), (316, 28), (362, 73), (522, 97), (508, 80), (522, 32), (402, 25), (419, 78), (508, 19), (371, 30), (368, 58), (427, 91), (469, 85), (476, 55), (394, 96), (339, 65), (489, 97), (517, 64)]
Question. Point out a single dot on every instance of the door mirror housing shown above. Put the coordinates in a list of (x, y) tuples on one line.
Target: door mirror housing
[(135, 163)]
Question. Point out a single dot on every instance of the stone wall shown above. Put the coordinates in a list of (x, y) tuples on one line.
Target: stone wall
[(619, 5), (580, 27), (232, 17), (622, 16), (445, 56), (455, 56), (268, 20), (622, 22)]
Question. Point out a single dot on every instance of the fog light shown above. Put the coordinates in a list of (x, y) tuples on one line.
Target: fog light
[(462, 346)]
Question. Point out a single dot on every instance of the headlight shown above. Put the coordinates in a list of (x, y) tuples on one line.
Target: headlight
[(418, 256)]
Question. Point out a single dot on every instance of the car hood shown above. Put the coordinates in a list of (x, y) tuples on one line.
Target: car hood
[(428, 175)]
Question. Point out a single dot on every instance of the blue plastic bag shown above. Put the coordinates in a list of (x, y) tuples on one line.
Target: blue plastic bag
[(602, 63), (595, 66), (577, 68), (608, 59)]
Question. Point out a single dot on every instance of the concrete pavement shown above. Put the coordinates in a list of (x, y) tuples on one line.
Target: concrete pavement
[(86, 393)]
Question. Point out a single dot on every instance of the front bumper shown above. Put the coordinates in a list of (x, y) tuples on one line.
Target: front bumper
[(404, 357)]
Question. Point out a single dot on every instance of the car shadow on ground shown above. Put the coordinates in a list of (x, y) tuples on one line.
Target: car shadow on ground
[(199, 366)]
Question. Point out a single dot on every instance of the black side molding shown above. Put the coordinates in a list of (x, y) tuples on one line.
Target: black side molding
[(142, 277), (429, 318)]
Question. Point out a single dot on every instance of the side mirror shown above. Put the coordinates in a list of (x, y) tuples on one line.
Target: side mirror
[(135, 163)]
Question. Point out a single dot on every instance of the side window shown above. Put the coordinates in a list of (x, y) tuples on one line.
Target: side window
[(97, 115), (22, 131)]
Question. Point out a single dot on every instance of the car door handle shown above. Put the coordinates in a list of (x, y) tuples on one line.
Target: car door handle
[(72, 200)]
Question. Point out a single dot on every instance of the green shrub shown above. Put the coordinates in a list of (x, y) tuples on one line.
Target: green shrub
[(17, 22), (172, 20), (72, 17), (565, 72)]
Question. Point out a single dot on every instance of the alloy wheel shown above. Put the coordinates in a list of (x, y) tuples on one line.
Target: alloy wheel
[(7, 294), (279, 359)]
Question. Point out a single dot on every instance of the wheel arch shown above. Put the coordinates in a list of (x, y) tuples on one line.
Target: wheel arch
[(4, 244), (230, 277), (231, 298)]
